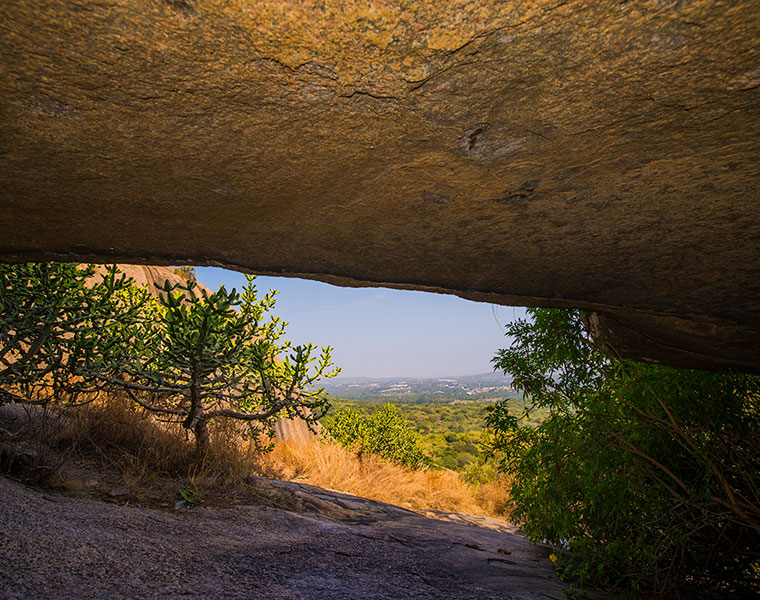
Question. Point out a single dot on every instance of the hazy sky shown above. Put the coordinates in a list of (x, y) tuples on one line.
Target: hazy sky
[(378, 332)]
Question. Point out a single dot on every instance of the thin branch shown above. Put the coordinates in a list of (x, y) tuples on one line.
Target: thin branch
[(154, 408)]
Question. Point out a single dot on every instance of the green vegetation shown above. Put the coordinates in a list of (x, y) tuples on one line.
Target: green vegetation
[(187, 273), (190, 358), (190, 497), (449, 434), (645, 478), (649, 475), (421, 396), (202, 357), (385, 433), (51, 325), (452, 434)]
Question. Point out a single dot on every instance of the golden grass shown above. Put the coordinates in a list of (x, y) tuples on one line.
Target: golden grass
[(156, 459), (117, 434), (494, 498), (332, 466)]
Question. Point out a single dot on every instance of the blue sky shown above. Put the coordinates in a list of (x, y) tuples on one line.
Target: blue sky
[(378, 332)]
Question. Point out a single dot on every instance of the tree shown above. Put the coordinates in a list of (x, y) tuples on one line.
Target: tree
[(386, 433), (648, 474), (187, 273), (194, 358), (52, 316)]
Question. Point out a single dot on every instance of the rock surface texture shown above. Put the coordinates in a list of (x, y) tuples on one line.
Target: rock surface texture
[(55, 547), (596, 154)]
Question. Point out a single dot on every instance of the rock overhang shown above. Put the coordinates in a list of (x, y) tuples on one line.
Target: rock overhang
[(601, 155)]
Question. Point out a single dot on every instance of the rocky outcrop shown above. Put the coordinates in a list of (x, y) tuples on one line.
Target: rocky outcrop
[(58, 547), (592, 154), (295, 430)]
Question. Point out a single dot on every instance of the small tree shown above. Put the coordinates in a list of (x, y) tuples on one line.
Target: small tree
[(52, 317), (386, 433), (195, 358), (187, 273)]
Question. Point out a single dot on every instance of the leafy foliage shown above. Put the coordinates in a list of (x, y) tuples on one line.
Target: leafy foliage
[(197, 357), (187, 356), (52, 317), (187, 273), (385, 433), (449, 433), (649, 474), (189, 496)]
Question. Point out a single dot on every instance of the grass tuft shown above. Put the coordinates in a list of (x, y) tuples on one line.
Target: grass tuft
[(122, 434)]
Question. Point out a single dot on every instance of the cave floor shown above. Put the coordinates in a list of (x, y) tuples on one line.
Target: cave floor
[(333, 546)]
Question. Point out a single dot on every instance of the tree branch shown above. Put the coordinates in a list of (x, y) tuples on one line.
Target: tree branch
[(154, 408)]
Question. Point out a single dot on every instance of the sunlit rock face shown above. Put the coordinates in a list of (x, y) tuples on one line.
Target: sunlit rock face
[(595, 154)]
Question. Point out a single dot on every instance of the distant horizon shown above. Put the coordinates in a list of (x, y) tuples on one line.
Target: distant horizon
[(469, 375), (381, 332)]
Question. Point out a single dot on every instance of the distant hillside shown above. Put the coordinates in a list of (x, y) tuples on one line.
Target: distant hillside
[(413, 390)]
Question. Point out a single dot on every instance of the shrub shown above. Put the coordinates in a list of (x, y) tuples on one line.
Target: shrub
[(194, 358), (187, 273), (649, 474), (190, 358), (52, 320), (386, 433)]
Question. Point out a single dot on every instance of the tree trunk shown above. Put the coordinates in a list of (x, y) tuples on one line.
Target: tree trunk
[(202, 438)]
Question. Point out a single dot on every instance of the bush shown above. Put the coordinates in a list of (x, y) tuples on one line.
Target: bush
[(386, 433), (52, 321), (188, 357), (187, 273), (648, 474)]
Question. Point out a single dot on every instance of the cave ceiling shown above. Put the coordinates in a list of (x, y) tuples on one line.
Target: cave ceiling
[(603, 155)]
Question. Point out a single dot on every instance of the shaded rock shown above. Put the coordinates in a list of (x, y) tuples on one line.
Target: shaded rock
[(259, 552), (390, 145), (119, 491), (689, 343)]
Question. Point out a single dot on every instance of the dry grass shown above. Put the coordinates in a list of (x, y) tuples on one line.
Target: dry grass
[(128, 447), (114, 443), (494, 498), (118, 433), (334, 467)]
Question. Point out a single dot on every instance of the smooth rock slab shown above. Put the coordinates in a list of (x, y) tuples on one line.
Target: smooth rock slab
[(55, 547)]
